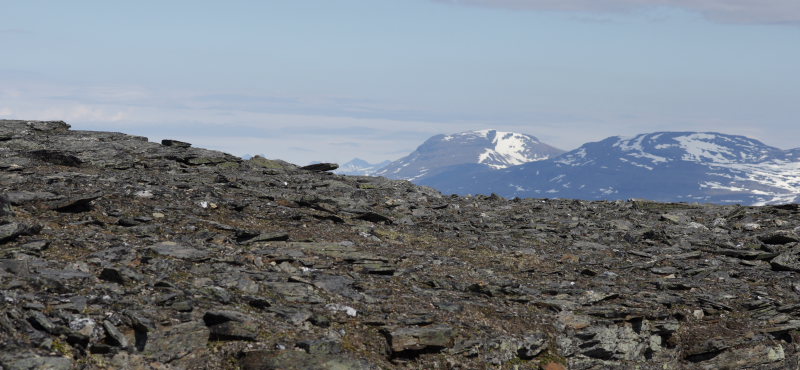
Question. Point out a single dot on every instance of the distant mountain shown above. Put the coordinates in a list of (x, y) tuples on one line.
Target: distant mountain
[(489, 149), (360, 167), (664, 166), (250, 156)]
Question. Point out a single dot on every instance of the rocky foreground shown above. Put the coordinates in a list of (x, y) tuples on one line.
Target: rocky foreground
[(120, 253)]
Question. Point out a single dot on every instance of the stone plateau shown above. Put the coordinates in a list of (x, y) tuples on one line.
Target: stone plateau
[(120, 253)]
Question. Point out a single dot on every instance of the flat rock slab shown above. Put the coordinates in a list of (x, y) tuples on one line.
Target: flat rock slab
[(10, 231), (750, 357), (414, 339), (295, 292), (234, 330), (55, 157), (788, 261), (175, 143), (231, 325), (249, 238), (24, 360), (21, 197), (320, 167), (176, 250), (174, 342), (76, 204)]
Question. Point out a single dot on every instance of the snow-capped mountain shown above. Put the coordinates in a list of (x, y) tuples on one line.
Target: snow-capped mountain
[(664, 166), (250, 156), (490, 149), (360, 167)]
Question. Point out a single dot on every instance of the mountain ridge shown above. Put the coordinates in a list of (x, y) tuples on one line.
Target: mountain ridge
[(664, 166)]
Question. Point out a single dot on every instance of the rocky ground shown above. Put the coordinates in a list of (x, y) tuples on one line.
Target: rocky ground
[(120, 253)]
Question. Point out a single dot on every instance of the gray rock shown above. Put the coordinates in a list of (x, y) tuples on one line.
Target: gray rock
[(780, 238), (233, 330), (532, 346), (405, 341), (41, 322), (175, 342), (175, 143), (295, 292), (76, 204), (21, 359), (176, 250), (5, 205), (21, 197), (787, 261), (115, 337), (612, 343), (10, 231), (121, 275), (321, 347), (298, 316), (250, 237), (56, 157), (231, 325), (320, 167)]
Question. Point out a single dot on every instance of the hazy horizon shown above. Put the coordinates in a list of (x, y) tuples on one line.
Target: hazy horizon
[(310, 80)]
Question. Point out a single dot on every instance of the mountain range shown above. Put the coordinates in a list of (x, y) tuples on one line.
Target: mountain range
[(664, 166)]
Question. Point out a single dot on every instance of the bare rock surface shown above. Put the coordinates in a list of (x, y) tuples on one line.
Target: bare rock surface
[(120, 253)]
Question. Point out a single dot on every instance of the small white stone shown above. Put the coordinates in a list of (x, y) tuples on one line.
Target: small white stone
[(751, 226), (350, 311), (83, 325), (696, 225), (143, 194)]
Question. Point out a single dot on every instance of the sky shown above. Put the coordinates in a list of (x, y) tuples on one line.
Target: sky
[(322, 80)]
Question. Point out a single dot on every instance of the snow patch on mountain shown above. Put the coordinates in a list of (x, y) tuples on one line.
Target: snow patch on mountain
[(360, 167), (510, 149), (633, 147)]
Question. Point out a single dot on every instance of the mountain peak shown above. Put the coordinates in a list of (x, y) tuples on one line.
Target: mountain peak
[(491, 148)]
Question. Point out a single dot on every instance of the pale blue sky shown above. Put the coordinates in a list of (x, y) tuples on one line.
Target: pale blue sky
[(306, 80)]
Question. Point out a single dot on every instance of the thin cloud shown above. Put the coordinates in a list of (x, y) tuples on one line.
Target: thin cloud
[(725, 11)]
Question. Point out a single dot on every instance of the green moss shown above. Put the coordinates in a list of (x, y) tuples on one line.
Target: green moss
[(63, 348), (348, 344), (93, 361), (266, 163), (229, 165), (518, 363)]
